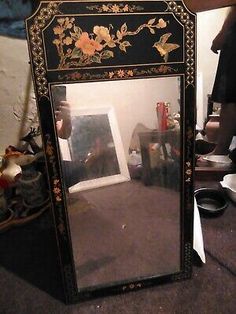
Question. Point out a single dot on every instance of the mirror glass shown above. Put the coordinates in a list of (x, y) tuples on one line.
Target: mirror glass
[(120, 156)]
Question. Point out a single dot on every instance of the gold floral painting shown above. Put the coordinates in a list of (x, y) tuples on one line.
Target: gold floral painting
[(78, 48)]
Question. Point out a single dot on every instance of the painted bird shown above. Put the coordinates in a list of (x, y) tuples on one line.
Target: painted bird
[(163, 47)]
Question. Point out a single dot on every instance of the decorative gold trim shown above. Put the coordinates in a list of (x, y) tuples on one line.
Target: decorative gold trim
[(180, 12), (188, 258), (132, 286), (115, 8), (116, 74), (188, 171), (188, 164), (57, 188), (35, 37), (187, 264), (50, 152)]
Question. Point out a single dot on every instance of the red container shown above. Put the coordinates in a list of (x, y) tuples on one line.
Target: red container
[(162, 113)]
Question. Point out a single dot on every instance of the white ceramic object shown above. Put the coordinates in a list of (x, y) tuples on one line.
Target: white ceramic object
[(218, 160), (12, 172), (229, 183), (23, 160)]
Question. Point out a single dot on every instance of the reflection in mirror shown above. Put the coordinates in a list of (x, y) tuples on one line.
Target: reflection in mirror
[(121, 169), (207, 66), (96, 143), (215, 106)]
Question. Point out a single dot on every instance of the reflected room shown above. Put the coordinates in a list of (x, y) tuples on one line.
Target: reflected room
[(121, 171), (215, 152)]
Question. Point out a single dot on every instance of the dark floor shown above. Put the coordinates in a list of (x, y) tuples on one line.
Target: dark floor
[(29, 285)]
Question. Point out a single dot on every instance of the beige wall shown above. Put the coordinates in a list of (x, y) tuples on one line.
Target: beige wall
[(15, 89)]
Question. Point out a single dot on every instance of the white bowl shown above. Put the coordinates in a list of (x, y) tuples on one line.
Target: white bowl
[(229, 183), (218, 160)]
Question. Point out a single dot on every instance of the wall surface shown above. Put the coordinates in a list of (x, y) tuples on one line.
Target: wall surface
[(17, 107)]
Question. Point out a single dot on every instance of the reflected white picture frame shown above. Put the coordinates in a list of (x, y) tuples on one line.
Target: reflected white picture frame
[(124, 175)]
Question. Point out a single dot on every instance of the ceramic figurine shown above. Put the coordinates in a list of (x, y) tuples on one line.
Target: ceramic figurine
[(29, 138)]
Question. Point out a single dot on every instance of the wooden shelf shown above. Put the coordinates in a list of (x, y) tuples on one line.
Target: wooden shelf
[(206, 172)]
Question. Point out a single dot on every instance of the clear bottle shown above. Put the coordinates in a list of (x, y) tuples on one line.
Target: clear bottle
[(134, 159)]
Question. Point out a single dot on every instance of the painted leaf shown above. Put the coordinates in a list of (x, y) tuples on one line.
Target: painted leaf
[(107, 54), (126, 43), (152, 31), (150, 22), (118, 34), (96, 58), (111, 44), (77, 30), (74, 36), (123, 28), (122, 47), (76, 53)]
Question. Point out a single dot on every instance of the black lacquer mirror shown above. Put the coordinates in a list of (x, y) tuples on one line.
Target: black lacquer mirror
[(115, 87)]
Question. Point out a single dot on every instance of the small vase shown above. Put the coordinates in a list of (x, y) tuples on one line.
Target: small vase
[(212, 128), (4, 212), (32, 188)]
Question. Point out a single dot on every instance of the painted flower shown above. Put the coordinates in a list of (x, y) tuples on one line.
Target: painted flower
[(56, 190), (105, 8), (130, 73), (161, 23), (121, 73), (58, 30), (69, 26), (56, 41), (111, 74), (189, 172), (67, 41), (61, 21), (126, 8), (75, 76), (87, 45), (102, 34), (56, 181), (115, 8)]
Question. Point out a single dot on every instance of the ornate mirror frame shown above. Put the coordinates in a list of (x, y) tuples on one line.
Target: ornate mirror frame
[(50, 65)]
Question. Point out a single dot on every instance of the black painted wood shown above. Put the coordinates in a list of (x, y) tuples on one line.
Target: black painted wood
[(137, 47)]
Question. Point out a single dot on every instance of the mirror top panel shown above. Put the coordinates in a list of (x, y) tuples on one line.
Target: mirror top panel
[(84, 41)]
